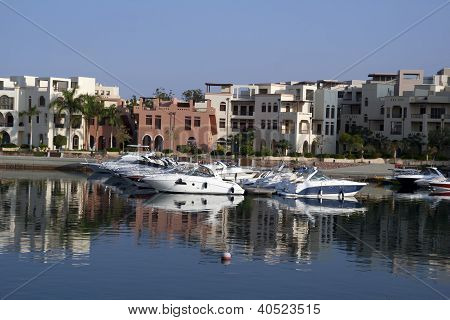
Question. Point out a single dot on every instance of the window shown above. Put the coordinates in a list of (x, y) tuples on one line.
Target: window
[(332, 129), (382, 110), (366, 102), (405, 112), (102, 121), (235, 110), (187, 123), (41, 138), (436, 113), (251, 109), (222, 123), (29, 119), (269, 107), (366, 119), (388, 112), (76, 121), (263, 124), (396, 127), (275, 107), (234, 124), (347, 127), (327, 128), (423, 110), (148, 120), (327, 112), (91, 121), (158, 122), (309, 94), (340, 94), (223, 106), (319, 128), (263, 107), (268, 124), (274, 124), (41, 101), (243, 111), (333, 108), (37, 119), (382, 127), (197, 122), (288, 108), (29, 102)]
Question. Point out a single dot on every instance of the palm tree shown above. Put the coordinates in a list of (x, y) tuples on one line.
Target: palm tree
[(284, 146), (91, 108), (67, 104), (33, 111), (122, 136), (114, 120)]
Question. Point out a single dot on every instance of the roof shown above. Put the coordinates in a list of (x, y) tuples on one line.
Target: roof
[(218, 84)]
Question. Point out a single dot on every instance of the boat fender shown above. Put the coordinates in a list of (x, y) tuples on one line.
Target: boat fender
[(232, 190), (341, 195), (205, 185), (320, 193)]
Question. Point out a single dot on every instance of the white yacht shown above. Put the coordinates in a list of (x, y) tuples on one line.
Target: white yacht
[(200, 180), (421, 179), (310, 182)]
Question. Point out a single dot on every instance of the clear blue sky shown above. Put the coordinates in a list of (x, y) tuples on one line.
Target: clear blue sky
[(180, 45)]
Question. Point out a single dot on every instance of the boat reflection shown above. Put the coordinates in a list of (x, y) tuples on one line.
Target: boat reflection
[(192, 202)]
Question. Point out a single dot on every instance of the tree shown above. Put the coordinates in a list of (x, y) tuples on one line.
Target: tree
[(439, 139), (67, 104), (33, 111), (193, 94), (162, 94), (284, 146), (122, 136), (412, 145), (114, 120), (91, 108), (59, 141)]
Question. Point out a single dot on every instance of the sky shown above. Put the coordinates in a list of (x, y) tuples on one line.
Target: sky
[(178, 45)]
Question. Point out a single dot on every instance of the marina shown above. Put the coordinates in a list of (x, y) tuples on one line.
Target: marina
[(109, 242)]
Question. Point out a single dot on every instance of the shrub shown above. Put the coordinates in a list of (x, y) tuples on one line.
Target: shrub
[(258, 154), (218, 152), (8, 145), (167, 151), (39, 154), (59, 141), (113, 150), (308, 155), (339, 156)]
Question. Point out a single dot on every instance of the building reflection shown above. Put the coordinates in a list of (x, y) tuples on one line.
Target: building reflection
[(51, 218)]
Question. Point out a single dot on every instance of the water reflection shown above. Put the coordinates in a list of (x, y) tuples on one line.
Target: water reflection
[(50, 216)]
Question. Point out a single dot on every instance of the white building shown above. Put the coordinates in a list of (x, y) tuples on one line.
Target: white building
[(20, 93)]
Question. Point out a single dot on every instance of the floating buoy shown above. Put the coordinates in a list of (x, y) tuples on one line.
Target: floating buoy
[(226, 256)]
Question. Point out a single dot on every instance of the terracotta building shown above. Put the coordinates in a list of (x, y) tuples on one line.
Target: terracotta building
[(168, 124)]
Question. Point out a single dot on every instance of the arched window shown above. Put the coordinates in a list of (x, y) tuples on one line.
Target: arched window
[(327, 112), (366, 119), (333, 111), (6, 103), (75, 142), (29, 102), (223, 106), (269, 107), (191, 141), (263, 107), (382, 110), (288, 107), (366, 102), (41, 101), (275, 107)]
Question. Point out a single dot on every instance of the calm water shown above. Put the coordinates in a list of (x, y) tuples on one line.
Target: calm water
[(94, 242)]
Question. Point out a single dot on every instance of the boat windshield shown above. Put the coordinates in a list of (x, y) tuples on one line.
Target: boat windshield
[(303, 173), (430, 171), (319, 176), (201, 171)]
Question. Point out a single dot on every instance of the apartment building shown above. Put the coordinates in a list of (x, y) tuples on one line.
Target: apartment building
[(288, 111), (422, 108), (168, 124)]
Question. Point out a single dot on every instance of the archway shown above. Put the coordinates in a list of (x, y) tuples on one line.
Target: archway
[(159, 143), (147, 141), (305, 147), (191, 142), (101, 143), (4, 138), (114, 142), (75, 142), (2, 120), (314, 147), (91, 142), (9, 120)]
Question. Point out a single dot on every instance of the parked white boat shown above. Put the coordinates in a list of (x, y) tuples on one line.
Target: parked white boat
[(200, 180), (310, 182), (421, 179)]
